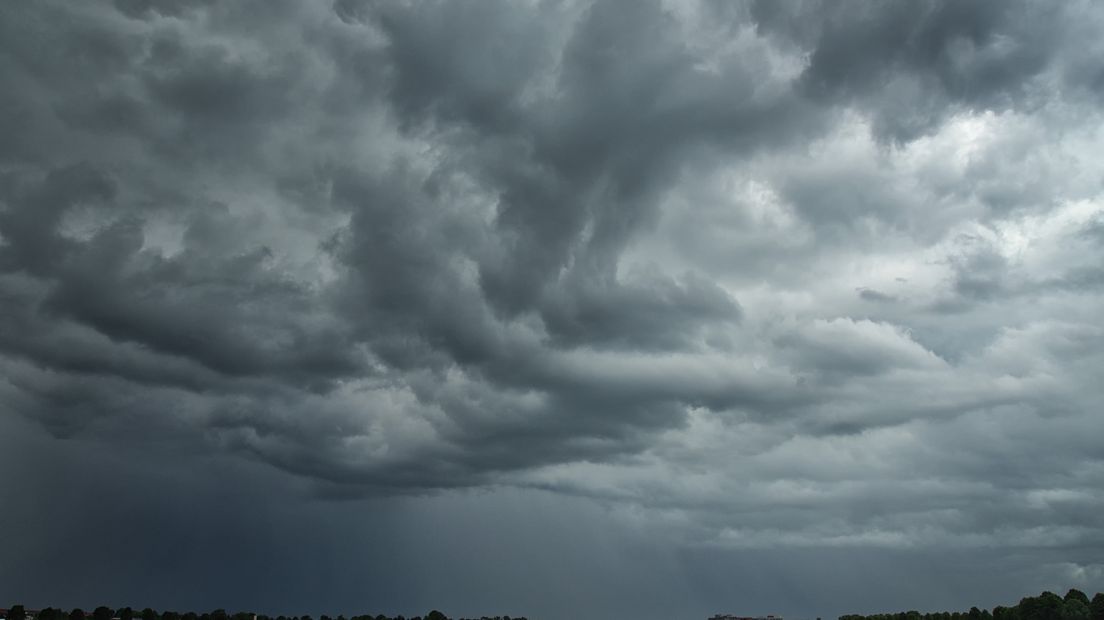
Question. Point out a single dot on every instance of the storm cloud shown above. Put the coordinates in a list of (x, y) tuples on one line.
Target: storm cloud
[(665, 290)]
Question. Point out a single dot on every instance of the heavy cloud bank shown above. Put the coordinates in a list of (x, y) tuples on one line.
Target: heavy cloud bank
[(714, 297)]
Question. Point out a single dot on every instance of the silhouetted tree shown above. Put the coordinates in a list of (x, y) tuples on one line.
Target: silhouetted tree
[(17, 612), (1096, 607), (102, 613), (149, 614), (1051, 605), (76, 614), (1075, 605), (1074, 593), (125, 613), (1075, 609)]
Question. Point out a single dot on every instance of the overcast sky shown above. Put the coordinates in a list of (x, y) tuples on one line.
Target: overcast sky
[(569, 310)]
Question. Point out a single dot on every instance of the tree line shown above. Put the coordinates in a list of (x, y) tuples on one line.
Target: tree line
[(18, 612), (1075, 605)]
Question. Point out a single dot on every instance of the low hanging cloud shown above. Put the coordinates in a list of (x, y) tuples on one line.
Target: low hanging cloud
[(758, 275)]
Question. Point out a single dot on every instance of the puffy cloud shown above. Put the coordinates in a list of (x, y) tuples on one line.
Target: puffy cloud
[(803, 278)]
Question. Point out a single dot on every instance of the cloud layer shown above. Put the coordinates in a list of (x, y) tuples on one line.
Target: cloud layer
[(747, 275)]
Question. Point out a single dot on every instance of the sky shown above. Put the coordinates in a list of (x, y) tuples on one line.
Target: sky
[(571, 310)]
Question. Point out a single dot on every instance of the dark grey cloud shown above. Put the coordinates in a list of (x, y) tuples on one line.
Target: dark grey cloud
[(911, 64), (870, 294), (805, 283)]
